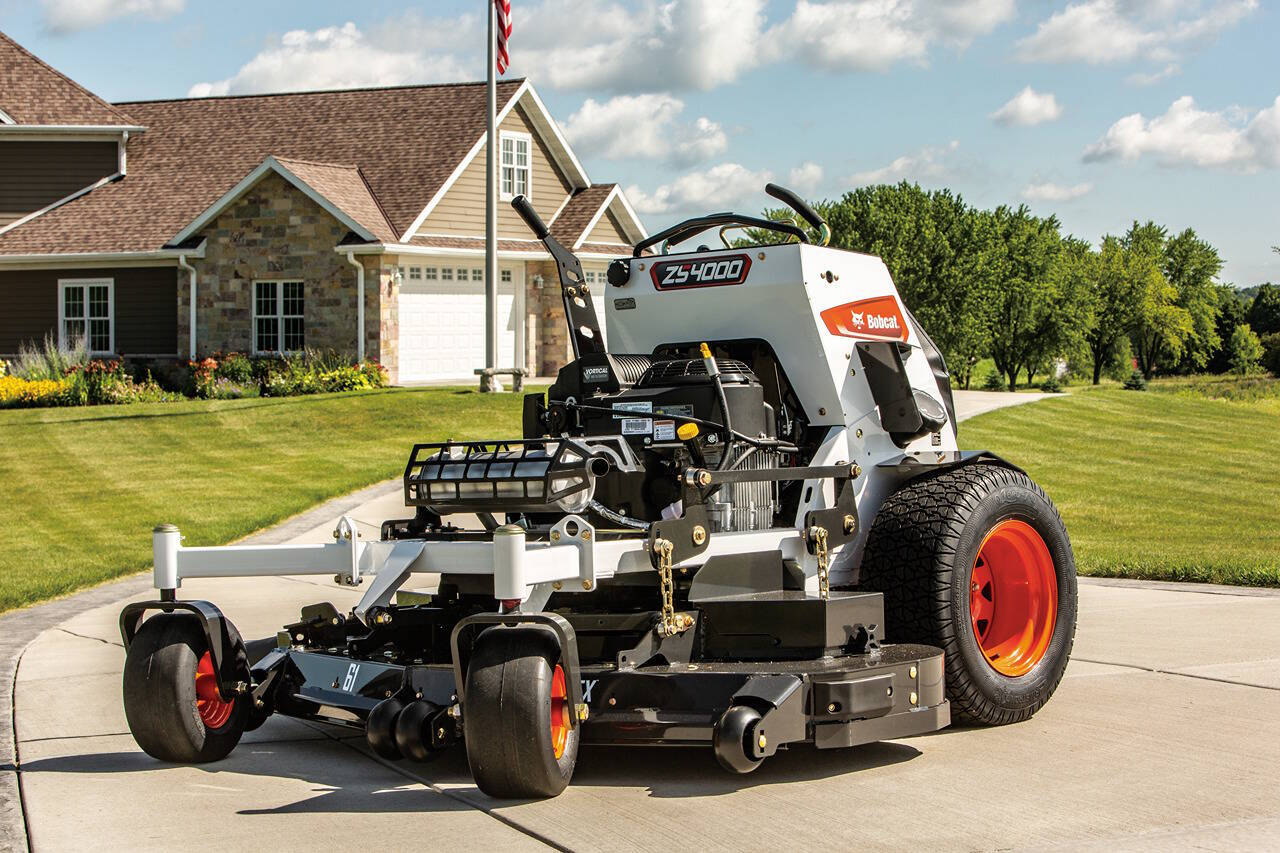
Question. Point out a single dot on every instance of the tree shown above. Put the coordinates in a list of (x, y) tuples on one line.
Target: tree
[(1115, 299), (1246, 350), (1160, 327), (1191, 265), (1264, 313), (1231, 313), (1025, 297)]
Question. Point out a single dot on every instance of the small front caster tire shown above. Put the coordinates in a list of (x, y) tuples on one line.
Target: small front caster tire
[(171, 697), (516, 724)]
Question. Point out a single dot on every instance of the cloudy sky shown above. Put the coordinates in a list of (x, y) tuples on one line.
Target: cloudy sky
[(1100, 111)]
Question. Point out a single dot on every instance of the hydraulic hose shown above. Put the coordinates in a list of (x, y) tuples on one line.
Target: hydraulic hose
[(713, 370)]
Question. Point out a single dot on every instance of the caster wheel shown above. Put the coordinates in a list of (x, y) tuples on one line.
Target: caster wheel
[(171, 697), (734, 739), (516, 723)]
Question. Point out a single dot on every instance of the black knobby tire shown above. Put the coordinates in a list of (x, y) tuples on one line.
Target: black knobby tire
[(160, 694), (507, 716), (921, 554)]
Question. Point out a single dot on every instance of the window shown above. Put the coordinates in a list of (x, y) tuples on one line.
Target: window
[(462, 273), (505, 276), (86, 310), (515, 164), (589, 276), (430, 273), (446, 273), (278, 316), (477, 274), (415, 273)]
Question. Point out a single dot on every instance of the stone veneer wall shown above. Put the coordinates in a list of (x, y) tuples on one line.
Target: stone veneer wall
[(276, 233), (552, 346)]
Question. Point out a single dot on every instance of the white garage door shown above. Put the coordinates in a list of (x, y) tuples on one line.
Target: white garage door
[(442, 321), (597, 281)]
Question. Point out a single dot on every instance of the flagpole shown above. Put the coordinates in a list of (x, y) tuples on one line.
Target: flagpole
[(489, 380)]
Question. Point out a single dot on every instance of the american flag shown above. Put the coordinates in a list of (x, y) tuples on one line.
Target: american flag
[(504, 33)]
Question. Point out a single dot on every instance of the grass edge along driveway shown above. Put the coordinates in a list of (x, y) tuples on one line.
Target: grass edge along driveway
[(83, 487)]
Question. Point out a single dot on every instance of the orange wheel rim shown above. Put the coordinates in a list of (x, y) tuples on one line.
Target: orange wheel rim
[(559, 712), (1013, 598), (214, 710)]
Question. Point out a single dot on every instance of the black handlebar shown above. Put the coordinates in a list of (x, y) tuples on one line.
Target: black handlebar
[(793, 201), (530, 217)]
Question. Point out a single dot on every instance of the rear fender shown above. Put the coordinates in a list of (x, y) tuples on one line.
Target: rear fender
[(227, 650)]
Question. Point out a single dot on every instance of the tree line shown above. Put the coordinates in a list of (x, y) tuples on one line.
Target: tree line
[(1009, 285)]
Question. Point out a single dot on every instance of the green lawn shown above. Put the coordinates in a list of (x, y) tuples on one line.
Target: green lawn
[(82, 488), (1177, 483)]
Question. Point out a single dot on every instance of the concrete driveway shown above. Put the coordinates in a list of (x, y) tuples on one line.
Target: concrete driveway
[(1164, 733)]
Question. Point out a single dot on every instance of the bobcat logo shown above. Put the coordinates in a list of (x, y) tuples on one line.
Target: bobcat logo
[(856, 320)]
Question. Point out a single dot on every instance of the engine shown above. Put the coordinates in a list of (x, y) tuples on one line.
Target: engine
[(674, 414)]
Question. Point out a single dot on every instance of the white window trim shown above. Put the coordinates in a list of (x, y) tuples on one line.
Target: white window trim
[(528, 182), (63, 284), (279, 315)]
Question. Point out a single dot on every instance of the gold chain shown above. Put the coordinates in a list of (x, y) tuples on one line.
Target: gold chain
[(665, 547), (819, 537)]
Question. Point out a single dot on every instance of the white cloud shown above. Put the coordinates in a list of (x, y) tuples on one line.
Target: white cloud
[(719, 188), (643, 126), (640, 47), (1028, 107), (1150, 79), (330, 58), (1055, 192), (805, 178), (65, 16), (872, 35), (928, 162), (1104, 31), (1186, 135)]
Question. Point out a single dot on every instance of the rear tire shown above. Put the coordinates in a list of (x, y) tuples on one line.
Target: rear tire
[(519, 741), (170, 694), (935, 550)]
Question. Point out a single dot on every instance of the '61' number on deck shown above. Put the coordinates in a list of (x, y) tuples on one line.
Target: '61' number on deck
[(349, 683)]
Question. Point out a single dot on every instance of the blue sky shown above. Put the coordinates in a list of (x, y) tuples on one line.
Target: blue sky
[(1101, 111)]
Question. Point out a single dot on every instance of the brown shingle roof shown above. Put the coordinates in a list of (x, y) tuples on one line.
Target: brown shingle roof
[(405, 142), (578, 213), (346, 187), (33, 93)]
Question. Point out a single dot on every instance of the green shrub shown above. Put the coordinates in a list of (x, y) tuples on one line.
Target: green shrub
[(993, 382), (1271, 353), (1052, 385), (1244, 351), (235, 367), (50, 360), (1136, 382)]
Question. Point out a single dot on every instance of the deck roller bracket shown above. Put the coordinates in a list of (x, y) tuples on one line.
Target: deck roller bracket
[(840, 520), (574, 530), (347, 534)]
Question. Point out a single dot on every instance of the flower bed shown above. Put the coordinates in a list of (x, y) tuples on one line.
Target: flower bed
[(55, 375)]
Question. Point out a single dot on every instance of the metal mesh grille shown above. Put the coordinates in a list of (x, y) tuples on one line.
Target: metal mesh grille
[(665, 371)]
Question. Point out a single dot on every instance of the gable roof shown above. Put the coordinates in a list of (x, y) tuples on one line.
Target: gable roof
[(405, 142), (32, 93), (584, 209), (340, 189)]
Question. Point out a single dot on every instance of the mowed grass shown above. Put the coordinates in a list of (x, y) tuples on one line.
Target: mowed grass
[(81, 488), (1176, 483)]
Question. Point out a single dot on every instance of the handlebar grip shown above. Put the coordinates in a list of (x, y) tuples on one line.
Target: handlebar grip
[(796, 203), (530, 216)]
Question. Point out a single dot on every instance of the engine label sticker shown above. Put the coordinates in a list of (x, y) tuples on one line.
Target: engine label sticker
[(712, 272), (683, 410), (879, 318), (636, 426), (664, 430), (645, 406)]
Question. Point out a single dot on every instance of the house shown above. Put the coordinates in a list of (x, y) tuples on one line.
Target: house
[(350, 220)]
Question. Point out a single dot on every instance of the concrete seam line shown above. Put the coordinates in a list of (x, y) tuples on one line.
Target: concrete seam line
[(20, 831), (1158, 671), (446, 792)]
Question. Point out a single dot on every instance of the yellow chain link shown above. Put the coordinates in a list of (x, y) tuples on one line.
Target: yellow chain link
[(669, 625), (819, 537)]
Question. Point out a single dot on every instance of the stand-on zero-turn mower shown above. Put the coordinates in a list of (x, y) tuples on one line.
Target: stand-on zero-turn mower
[(748, 525)]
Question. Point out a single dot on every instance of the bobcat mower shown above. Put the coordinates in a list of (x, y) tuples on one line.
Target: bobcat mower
[(747, 526)]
